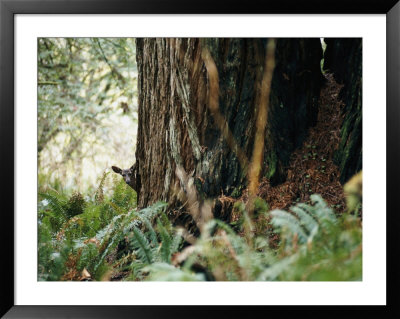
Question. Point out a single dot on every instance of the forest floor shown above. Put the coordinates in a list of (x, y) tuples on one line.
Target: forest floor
[(311, 169)]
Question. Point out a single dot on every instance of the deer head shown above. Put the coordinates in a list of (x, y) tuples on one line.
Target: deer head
[(127, 174)]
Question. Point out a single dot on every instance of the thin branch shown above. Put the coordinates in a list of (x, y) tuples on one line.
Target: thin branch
[(48, 83), (262, 115)]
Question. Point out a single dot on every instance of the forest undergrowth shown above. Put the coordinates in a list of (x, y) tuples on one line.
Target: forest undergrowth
[(299, 230)]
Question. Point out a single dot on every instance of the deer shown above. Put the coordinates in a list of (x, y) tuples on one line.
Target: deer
[(129, 175)]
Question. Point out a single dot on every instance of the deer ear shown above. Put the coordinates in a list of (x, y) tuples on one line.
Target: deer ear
[(116, 169)]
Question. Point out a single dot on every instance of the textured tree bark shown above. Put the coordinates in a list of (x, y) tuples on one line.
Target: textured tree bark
[(343, 57), (177, 127)]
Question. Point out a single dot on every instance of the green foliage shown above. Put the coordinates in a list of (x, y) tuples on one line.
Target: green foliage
[(123, 194), (86, 100), (51, 210), (75, 206), (51, 255), (66, 66), (152, 245), (84, 228), (142, 246), (315, 244)]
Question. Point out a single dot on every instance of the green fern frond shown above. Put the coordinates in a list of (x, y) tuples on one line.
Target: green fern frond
[(176, 241), (142, 246), (276, 269), (306, 220), (153, 210), (99, 197), (150, 230), (116, 208), (321, 210), (123, 196), (166, 222), (56, 202), (282, 219), (166, 242)]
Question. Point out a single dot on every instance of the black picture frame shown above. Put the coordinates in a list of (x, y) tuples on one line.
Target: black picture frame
[(8, 8)]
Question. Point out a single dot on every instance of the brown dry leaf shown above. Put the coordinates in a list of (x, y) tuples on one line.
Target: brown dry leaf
[(85, 274)]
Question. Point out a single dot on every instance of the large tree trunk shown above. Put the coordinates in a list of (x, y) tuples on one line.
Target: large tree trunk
[(343, 57), (178, 128)]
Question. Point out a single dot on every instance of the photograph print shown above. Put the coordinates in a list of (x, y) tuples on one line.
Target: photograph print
[(199, 159)]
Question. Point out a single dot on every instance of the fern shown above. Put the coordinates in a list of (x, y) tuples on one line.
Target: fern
[(166, 242), (142, 246), (277, 268), (328, 252), (123, 196), (51, 259), (314, 243), (123, 225), (55, 201), (309, 221), (176, 241), (306, 220), (153, 210), (282, 219), (99, 197), (151, 232), (89, 253), (166, 222)]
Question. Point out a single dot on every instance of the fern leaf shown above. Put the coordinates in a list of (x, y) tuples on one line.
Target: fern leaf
[(151, 231), (272, 272), (322, 210), (166, 242), (142, 246), (153, 210), (99, 197), (56, 203), (306, 219), (285, 219), (176, 241), (166, 222)]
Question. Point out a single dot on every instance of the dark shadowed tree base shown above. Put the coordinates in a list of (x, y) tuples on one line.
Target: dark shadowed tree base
[(294, 98), (343, 57)]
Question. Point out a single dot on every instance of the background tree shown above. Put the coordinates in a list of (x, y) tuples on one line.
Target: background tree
[(86, 93)]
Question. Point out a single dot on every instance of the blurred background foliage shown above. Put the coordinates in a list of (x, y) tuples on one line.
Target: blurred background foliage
[(87, 109)]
